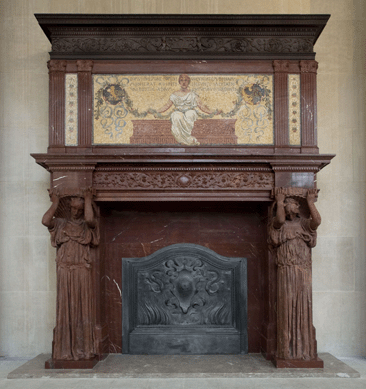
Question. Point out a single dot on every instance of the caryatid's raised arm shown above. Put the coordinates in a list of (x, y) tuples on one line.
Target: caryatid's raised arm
[(315, 215), (88, 209), (48, 218), (280, 217)]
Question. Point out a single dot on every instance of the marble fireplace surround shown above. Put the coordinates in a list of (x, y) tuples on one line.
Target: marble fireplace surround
[(217, 196)]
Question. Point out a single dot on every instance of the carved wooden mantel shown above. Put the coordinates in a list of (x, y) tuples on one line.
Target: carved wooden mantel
[(219, 170), (182, 175)]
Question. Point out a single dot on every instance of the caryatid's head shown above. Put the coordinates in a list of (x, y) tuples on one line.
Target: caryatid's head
[(291, 208), (77, 207)]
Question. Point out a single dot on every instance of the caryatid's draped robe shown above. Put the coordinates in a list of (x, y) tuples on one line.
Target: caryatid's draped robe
[(74, 337), (292, 245)]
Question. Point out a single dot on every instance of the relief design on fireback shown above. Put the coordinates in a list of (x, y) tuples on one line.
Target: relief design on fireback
[(184, 291)]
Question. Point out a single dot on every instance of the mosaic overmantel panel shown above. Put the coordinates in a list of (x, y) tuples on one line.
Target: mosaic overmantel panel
[(192, 110)]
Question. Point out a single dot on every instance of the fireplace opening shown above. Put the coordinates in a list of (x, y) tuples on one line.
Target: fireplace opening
[(140, 229)]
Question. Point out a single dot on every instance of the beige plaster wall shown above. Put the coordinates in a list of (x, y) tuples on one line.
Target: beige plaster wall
[(27, 269)]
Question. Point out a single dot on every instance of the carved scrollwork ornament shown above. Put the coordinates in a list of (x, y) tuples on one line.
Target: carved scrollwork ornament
[(188, 180), (181, 44)]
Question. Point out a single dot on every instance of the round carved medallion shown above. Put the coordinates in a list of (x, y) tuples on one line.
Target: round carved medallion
[(184, 180)]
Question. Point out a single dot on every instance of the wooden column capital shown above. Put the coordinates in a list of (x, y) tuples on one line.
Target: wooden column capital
[(55, 65), (85, 65), (280, 66), (308, 66)]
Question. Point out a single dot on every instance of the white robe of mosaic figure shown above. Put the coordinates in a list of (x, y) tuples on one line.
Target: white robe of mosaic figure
[(183, 117)]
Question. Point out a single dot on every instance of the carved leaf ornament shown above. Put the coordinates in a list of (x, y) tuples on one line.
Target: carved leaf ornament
[(177, 180), (181, 45)]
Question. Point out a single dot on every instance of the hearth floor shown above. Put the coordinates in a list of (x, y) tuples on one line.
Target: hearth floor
[(181, 372)]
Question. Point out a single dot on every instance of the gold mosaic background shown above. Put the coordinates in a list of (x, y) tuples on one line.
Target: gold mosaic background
[(253, 109)]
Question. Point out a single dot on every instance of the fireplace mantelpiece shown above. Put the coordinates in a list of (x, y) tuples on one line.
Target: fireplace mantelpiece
[(262, 70)]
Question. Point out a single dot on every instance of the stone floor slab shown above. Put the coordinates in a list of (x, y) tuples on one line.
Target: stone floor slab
[(184, 367)]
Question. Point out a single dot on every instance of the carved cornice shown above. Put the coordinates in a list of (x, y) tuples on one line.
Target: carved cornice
[(204, 159), (308, 66), (182, 180), (84, 65), (182, 36), (56, 66)]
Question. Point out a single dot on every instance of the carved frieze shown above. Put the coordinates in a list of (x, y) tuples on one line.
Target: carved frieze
[(182, 44), (209, 180)]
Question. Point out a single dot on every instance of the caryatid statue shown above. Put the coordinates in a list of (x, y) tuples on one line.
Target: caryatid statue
[(73, 235), (291, 237)]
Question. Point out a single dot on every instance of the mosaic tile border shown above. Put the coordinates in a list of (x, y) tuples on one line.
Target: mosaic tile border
[(294, 109), (71, 109)]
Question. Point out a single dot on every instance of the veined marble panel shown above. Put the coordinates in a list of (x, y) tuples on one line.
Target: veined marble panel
[(294, 107), (71, 109), (215, 109)]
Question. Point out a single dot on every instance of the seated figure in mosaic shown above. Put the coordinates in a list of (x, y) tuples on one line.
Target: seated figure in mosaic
[(183, 118)]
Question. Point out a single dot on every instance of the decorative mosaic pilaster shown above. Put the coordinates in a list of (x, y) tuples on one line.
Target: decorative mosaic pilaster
[(294, 122), (71, 110)]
